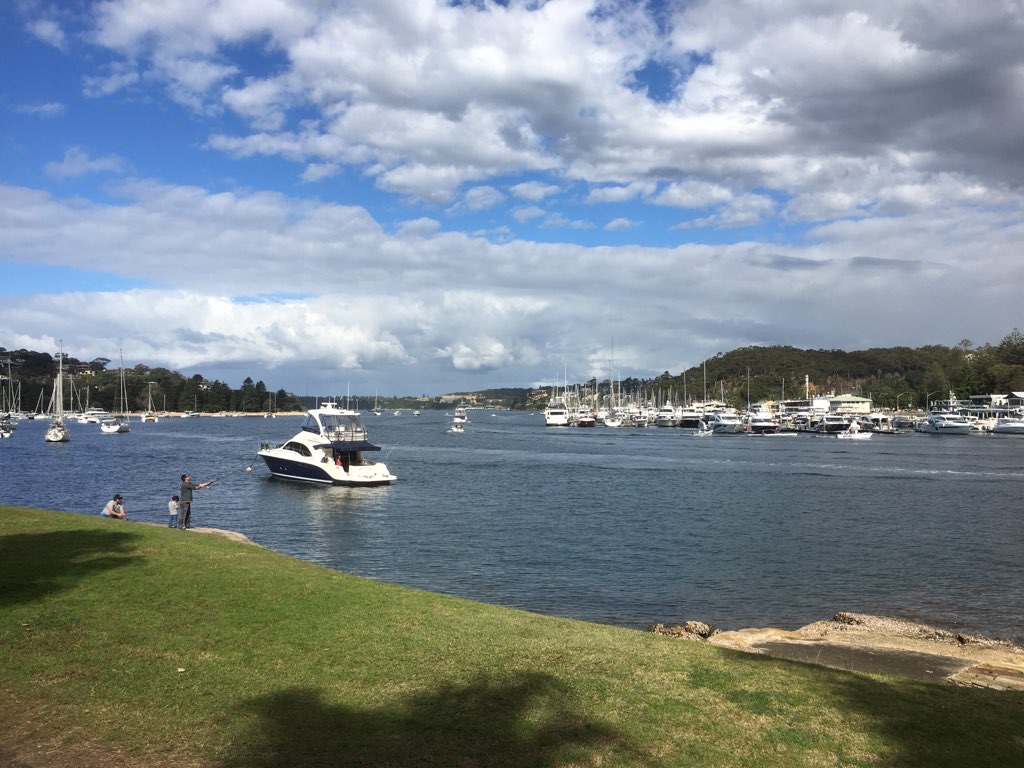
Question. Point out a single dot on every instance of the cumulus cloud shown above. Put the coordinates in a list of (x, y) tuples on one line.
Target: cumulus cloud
[(533, 190), (619, 224), (803, 145), (49, 109), (77, 162), (50, 32)]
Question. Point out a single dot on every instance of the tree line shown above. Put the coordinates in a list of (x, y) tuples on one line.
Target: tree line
[(891, 376), (94, 384)]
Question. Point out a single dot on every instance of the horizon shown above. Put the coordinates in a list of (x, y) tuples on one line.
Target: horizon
[(457, 195)]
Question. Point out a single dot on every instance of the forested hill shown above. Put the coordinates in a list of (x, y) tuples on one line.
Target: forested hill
[(911, 374)]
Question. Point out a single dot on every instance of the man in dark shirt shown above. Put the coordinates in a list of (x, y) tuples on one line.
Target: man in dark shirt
[(185, 499)]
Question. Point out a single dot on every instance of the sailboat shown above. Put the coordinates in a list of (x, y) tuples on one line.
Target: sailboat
[(150, 414), (118, 423), (58, 431)]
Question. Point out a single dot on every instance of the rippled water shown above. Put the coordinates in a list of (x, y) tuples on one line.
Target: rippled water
[(627, 527)]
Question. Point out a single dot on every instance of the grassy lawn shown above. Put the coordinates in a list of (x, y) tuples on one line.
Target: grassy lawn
[(172, 648)]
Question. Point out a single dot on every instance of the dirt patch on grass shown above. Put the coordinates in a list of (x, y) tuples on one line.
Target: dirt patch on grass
[(28, 739)]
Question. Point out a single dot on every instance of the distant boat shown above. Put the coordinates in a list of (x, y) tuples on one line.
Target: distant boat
[(118, 423), (853, 432), (1008, 425), (945, 424), (150, 413), (58, 431)]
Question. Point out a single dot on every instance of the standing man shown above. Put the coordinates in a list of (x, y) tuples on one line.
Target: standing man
[(185, 499)]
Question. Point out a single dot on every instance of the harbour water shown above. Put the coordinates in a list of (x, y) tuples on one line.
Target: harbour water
[(627, 527)]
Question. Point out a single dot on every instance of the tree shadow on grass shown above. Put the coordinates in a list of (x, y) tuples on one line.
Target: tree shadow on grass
[(935, 725), (917, 724), (495, 721), (33, 565)]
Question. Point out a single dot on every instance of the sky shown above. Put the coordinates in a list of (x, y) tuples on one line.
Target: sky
[(421, 197)]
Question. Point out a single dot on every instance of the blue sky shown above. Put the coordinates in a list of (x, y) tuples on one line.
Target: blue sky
[(423, 197)]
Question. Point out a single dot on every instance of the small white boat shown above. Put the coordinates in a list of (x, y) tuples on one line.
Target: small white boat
[(327, 450), (854, 433), (456, 429), (114, 425)]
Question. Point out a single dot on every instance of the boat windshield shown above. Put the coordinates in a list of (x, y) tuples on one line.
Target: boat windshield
[(338, 426)]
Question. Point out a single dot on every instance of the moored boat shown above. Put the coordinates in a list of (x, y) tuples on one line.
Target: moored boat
[(327, 450), (726, 422), (58, 431), (1008, 425), (945, 424), (556, 414)]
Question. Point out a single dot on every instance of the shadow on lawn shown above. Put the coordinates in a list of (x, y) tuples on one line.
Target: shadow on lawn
[(33, 565), (937, 725), (919, 724), (523, 721)]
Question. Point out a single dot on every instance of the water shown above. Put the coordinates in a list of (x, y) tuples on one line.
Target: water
[(627, 527)]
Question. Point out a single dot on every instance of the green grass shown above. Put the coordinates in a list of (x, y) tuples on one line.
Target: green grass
[(286, 663)]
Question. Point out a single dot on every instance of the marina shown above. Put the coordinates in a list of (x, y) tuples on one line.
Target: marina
[(620, 526)]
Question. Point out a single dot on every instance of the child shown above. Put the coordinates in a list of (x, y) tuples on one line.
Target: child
[(173, 508)]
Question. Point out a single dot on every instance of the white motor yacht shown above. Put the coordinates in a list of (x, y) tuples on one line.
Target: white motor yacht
[(762, 422), (1008, 425), (945, 424), (831, 423), (726, 423), (556, 414), (667, 416), (327, 450)]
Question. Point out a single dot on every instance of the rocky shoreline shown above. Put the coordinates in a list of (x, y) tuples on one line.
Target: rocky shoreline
[(876, 644)]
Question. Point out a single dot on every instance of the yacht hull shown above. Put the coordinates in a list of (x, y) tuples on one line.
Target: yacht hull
[(290, 468)]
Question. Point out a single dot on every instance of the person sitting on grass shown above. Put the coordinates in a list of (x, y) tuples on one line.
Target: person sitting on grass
[(114, 508)]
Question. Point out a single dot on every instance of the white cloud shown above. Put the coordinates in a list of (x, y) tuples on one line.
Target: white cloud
[(617, 225), (320, 171), (431, 298), (528, 213), (120, 75), (534, 191), (693, 194), (49, 109), (50, 32), (850, 143), (619, 194), (77, 163), (481, 198)]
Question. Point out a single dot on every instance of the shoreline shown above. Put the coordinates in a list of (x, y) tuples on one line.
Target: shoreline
[(878, 645), (855, 642)]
